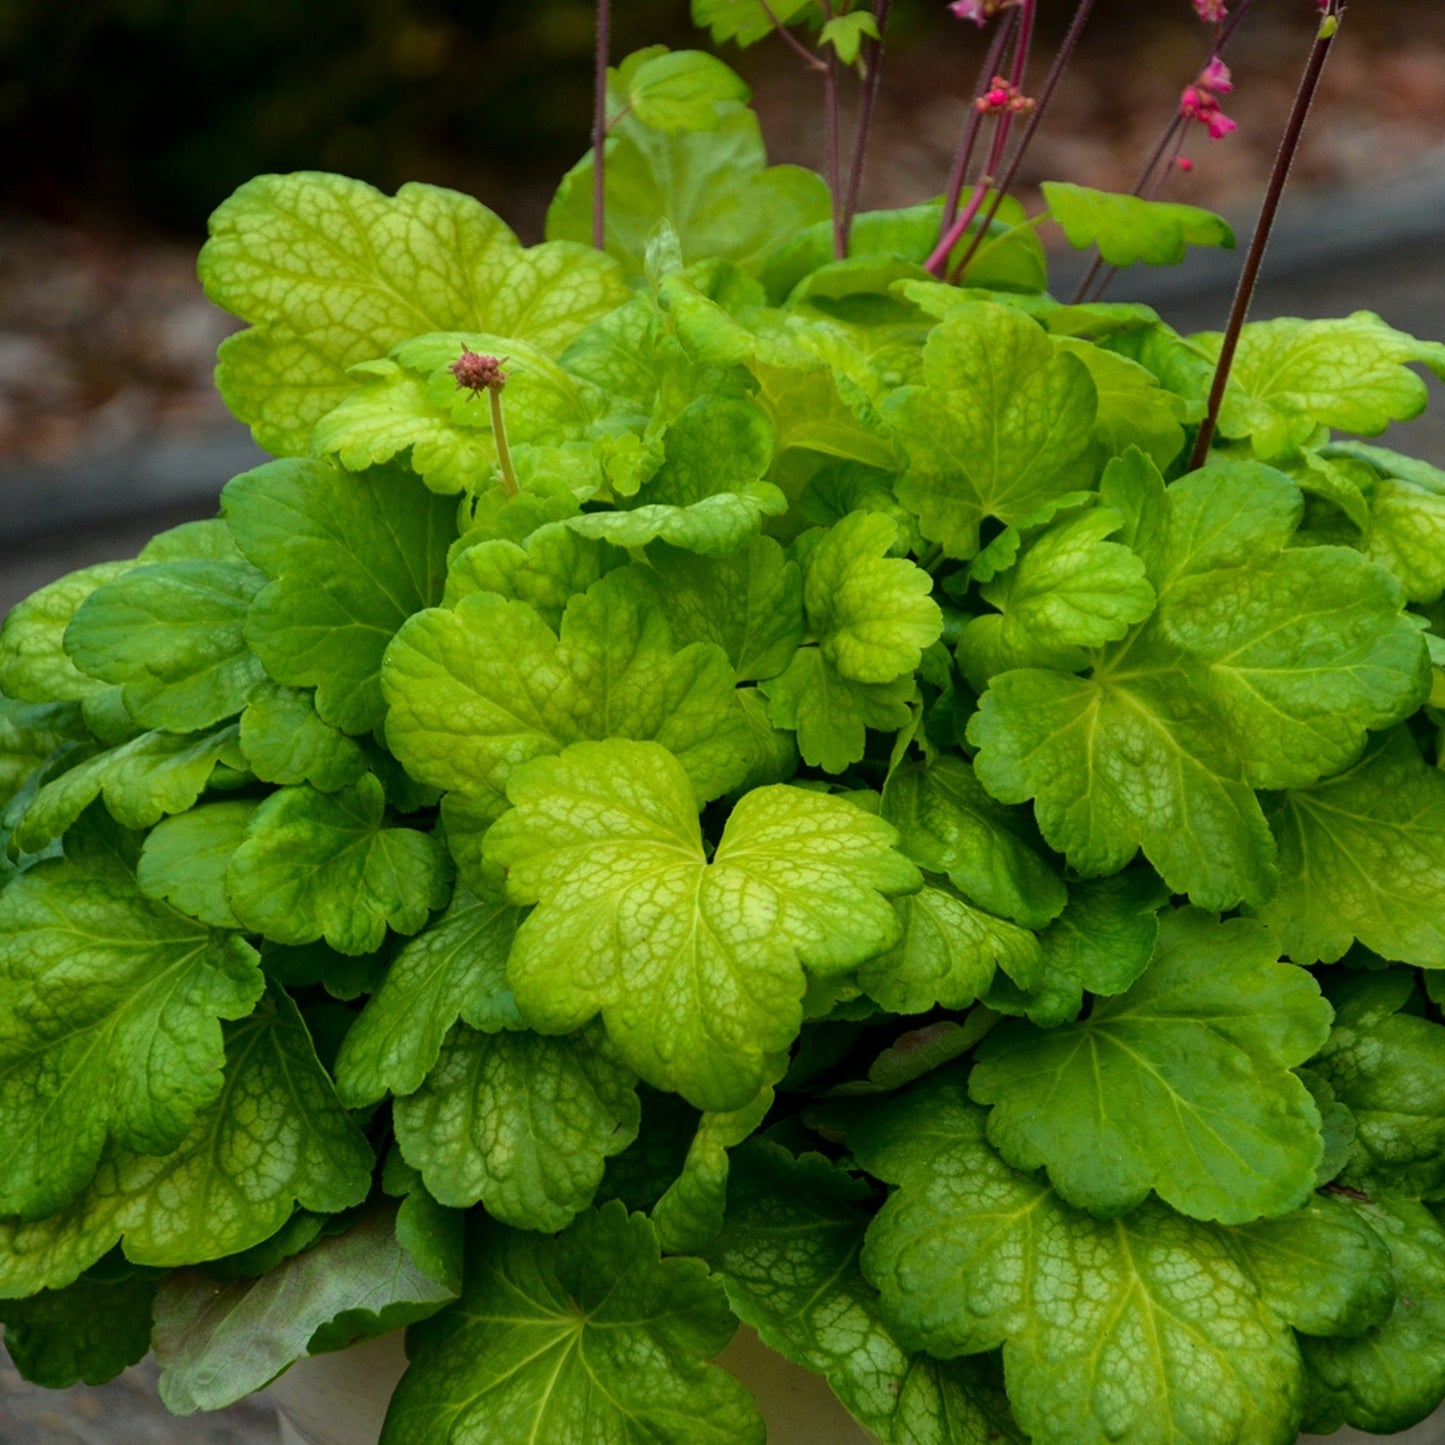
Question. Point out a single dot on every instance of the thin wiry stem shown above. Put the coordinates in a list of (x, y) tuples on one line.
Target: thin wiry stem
[(873, 67), (599, 126), (499, 436), (1022, 46), (965, 218), (1249, 276), (1046, 94), (812, 61), (1173, 137), (991, 62), (833, 126)]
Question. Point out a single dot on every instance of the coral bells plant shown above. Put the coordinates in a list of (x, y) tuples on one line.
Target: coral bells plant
[(767, 770)]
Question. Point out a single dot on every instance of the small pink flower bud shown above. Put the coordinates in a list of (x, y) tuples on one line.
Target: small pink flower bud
[(1215, 76), (477, 373), (1199, 101), (980, 11), (1002, 95), (1212, 12), (1184, 163)]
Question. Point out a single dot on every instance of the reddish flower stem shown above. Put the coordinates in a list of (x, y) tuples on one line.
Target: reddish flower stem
[(833, 124), (1249, 276), (599, 126), (808, 58), (1169, 142), (873, 64), (991, 63), (1036, 115)]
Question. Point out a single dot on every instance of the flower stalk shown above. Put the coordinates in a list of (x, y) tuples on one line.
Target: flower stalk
[(1164, 154), (1249, 276), (969, 139), (873, 69), (1046, 93), (477, 373), (599, 125)]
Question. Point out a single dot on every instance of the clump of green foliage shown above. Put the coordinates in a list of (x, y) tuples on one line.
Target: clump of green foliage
[(792, 804)]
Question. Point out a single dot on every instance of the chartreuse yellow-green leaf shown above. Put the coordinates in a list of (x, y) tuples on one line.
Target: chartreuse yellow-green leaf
[(520, 1122), (545, 570), (1127, 229), (172, 635), (750, 604), (478, 689), (30, 734), (1263, 666), (830, 714), (697, 967), (947, 954), (285, 741), (1386, 1064), (34, 666), (1405, 516), (677, 90), (1134, 409), (185, 860), (331, 272), (87, 1332), (410, 402), (714, 187), (871, 616), (110, 1009), (788, 1258), (1002, 423), (1143, 1330), (1362, 856), (948, 824), (456, 968), (1291, 377), (326, 865), (273, 1137), (218, 1342), (689, 1212), (1106, 934), (350, 558), (871, 613), (1069, 590), (1392, 1376), (140, 781), (1285, 1256), (708, 495), (586, 1338), (1182, 1084), (743, 21)]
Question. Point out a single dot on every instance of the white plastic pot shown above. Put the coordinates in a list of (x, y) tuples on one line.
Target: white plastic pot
[(341, 1399)]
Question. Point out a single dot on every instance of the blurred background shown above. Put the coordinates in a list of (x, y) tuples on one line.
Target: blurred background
[(123, 123)]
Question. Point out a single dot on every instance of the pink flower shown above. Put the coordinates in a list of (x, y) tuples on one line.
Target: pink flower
[(1184, 163), (1002, 95), (1215, 76), (980, 11), (1212, 12), (1200, 101), (477, 373)]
